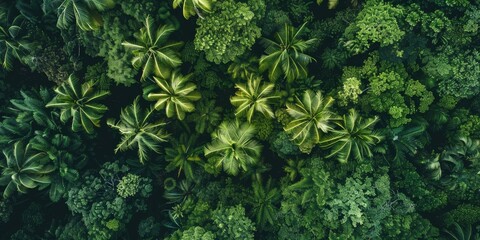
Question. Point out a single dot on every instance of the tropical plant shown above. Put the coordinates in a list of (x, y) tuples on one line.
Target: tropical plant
[(253, 97), (232, 223), (207, 116), (285, 55), (23, 169), (333, 58), (13, 40), (29, 115), (30, 108), (182, 155), (263, 201), (233, 147), (84, 12), (243, 66), (311, 116), (192, 7), (256, 171), (376, 25), (228, 32), (466, 152), (12, 131), (462, 232), (332, 4), (152, 50), (407, 139), (180, 192), (197, 233), (452, 162), (176, 95), (313, 186), (434, 166), (137, 132), (96, 197), (80, 102), (67, 153), (293, 168), (354, 135), (350, 91)]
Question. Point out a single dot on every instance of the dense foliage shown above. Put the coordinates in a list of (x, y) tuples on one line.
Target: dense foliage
[(239, 119)]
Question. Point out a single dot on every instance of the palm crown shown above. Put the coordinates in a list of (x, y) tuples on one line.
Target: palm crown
[(253, 97), (81, 103), (137, 132), (407, 139), (285, 55), (191, 7), (454, 159), (29, 113), (354, 135), (242, 67), (263, 201), (152, 52), (233, 147), (24, 169), (176, 95), (311, 116), (84, 12), (182, 155), (12, 41), (207, 116)]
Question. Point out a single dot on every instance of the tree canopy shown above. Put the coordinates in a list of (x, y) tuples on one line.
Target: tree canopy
[(239, 119)]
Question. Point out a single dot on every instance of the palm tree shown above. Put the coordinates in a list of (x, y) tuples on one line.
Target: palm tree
[(153, 52), (452, 163), (191, 7), (13, 41), (67, 153), (466, 152), (233, 147), (253, 97), (354, 135), (176, 95), (242, 67), (28, 115), (182, 155), (24, 169), (465, 232), (263, 201), (407, 139), (31, 108), (80, 102), (256, 171), (180, 192), (84, 12), (207, 116), (137, 132), (311, 116), (332, 4), (285, 55), (314, 185), (293, 168)]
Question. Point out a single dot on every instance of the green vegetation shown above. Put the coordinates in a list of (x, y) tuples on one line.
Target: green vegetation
[(310, 118), (253, 97), (239, 119), (152, 52), (79, 102), (285, 55), (137, 130), (233, 147), (176, 95)]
